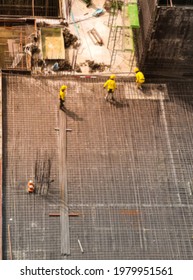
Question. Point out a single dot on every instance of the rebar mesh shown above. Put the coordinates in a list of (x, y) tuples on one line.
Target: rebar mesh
[(175, 2), (129, 170), (169, 52), (41, 8)]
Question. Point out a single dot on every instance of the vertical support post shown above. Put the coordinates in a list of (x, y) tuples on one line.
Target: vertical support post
[(46, 7), (33, 8), (63, 5), (20, 46)]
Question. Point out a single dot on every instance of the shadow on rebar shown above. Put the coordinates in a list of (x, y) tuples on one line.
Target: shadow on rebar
[(119, 104), (71, 114)]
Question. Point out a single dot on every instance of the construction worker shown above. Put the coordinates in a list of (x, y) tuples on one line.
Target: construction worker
[(31, 187), (140, 79), (62, 96), (110, 84)]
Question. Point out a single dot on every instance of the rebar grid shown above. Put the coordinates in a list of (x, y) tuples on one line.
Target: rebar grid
[(129, 170), (168, 52), (43, 8)]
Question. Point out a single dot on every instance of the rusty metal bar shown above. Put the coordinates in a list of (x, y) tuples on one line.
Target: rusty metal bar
[(10, 247)]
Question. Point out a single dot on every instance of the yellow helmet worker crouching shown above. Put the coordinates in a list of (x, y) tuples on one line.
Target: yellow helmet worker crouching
[(140, 79)]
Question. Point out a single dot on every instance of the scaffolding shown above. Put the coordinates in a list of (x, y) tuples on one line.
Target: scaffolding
[(121, 23), (14, 37)]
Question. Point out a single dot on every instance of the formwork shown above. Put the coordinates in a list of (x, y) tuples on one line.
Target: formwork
[(127, 165), (142, 36)]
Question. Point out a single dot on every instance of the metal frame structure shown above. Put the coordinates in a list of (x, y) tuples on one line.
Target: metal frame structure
[(118, 33)]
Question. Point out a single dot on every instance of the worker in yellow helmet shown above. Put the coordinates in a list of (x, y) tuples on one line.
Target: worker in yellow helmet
[(140, 79), (62, 96), (110, 84)]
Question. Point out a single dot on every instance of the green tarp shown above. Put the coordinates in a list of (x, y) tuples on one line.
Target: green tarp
[(133, 15)]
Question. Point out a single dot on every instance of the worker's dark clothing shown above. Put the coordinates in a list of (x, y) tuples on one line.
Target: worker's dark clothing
[(61, 103)]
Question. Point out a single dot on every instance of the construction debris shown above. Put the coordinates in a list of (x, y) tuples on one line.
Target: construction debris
[(64, 23), (93, 66), (69, 39), (111, 4), (64, 65), (43, 24), (77, 69)]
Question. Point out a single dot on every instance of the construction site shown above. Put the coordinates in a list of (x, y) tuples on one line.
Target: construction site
[(112, 180)]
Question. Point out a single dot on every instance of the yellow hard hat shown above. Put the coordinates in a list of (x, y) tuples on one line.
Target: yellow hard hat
[(63, 87), (136, 69), (112, 77)]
